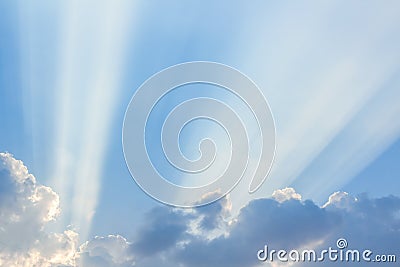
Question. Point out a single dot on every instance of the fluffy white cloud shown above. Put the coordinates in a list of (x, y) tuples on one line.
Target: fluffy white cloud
[(285, 194), (26, 208), (340, 200)]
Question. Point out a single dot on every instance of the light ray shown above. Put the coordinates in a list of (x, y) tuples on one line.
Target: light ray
[(318, 73), (90, 43)]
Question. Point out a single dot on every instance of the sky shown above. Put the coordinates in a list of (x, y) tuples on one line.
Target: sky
[(329, 70)]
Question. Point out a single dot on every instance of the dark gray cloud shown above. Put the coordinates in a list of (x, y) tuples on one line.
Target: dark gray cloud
[(212, 216), (162, 229), (264, 221), (285, 223)]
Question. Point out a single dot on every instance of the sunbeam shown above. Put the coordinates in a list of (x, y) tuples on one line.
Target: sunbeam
[(330, 94), (90, 40)]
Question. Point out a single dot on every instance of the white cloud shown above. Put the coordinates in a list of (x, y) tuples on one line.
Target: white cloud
[(285, 194), (26, 210), (340, 200), (26, 207)]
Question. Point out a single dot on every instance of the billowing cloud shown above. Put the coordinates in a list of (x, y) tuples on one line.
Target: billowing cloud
[(208, 236), (26, 209), (287, 193), (282, 222)]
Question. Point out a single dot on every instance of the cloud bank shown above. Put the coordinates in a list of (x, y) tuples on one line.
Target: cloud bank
[(208, 236)]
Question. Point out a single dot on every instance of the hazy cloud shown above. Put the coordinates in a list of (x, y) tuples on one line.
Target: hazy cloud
[(113, 250)]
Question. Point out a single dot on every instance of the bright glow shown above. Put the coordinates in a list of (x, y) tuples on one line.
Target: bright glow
[(321, 89), (91, 43)]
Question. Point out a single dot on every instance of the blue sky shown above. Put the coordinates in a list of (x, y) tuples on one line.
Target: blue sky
[(330, 71)]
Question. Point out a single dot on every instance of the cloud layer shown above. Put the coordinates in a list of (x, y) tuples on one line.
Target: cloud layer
[(208, 236), (282, 222)]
